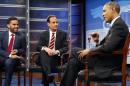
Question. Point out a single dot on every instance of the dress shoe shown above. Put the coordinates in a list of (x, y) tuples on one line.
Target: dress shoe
[(51, 79)]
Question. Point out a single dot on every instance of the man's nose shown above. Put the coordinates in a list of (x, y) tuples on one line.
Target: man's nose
[(102, 14), (56, 23), (16, 26)]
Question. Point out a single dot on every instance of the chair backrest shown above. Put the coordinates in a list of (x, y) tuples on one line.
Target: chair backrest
[(125, 50), (122, 73)]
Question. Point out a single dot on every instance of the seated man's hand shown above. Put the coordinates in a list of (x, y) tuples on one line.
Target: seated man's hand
[(14, 52), (56, 52), (83, 53), (14, 56), (95, 37), (49, 51)]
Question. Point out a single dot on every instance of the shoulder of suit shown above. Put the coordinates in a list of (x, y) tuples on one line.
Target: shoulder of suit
[(61, 31), (19, 33), (3, 33), (44, 31), (119, 21)]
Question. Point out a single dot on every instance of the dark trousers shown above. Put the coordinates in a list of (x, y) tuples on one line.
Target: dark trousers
[(9, 65), (49, 64), (101, 65)]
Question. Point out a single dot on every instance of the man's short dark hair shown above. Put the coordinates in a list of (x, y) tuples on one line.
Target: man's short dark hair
[(50, 16), (11, 18), (115, 5)]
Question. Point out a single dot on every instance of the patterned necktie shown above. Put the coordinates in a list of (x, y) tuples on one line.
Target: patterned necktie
[(52, 42), (10, 46)]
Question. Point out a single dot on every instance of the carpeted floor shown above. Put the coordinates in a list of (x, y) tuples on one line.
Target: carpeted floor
[(37, 82)]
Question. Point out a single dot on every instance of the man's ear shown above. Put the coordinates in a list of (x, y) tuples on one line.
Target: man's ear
[(8, 26), (112, 9), (47, 24)]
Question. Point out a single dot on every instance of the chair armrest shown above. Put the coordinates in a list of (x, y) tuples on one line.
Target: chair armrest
[(103, 54), (117, 52), (65, 54), (34, 58), (35, 53)]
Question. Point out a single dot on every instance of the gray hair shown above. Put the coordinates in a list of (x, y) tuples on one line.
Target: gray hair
[(114, 5)]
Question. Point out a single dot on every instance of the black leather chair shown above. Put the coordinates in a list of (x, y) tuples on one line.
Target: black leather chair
[(36, 68), (18, 70), (119, 75)]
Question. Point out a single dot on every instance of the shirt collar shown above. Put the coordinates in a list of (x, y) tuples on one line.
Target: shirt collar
[(112, 22), (10, 33), (52, 32)]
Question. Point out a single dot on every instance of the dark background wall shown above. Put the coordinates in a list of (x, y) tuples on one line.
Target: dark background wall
[(38, 19), (39, 10)]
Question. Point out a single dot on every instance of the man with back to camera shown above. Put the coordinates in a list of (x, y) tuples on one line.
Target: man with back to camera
[(12, 46), (114, 41), (52, 44)]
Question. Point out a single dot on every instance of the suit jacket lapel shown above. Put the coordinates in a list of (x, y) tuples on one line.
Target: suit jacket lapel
[(6, 40), (47, 38), (15, 41), (57, 38), (109, 32)]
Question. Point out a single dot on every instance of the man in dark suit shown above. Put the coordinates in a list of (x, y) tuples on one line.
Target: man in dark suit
[(114, 41), (52, 44), (12, 47)]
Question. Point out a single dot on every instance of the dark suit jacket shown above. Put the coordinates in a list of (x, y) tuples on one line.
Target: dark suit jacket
[(115, 38), (114, 41), (60, 44), (19, 44)]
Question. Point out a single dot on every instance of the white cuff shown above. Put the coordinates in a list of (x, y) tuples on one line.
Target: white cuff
[(58, 52), (43, 48), (9, 55)]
